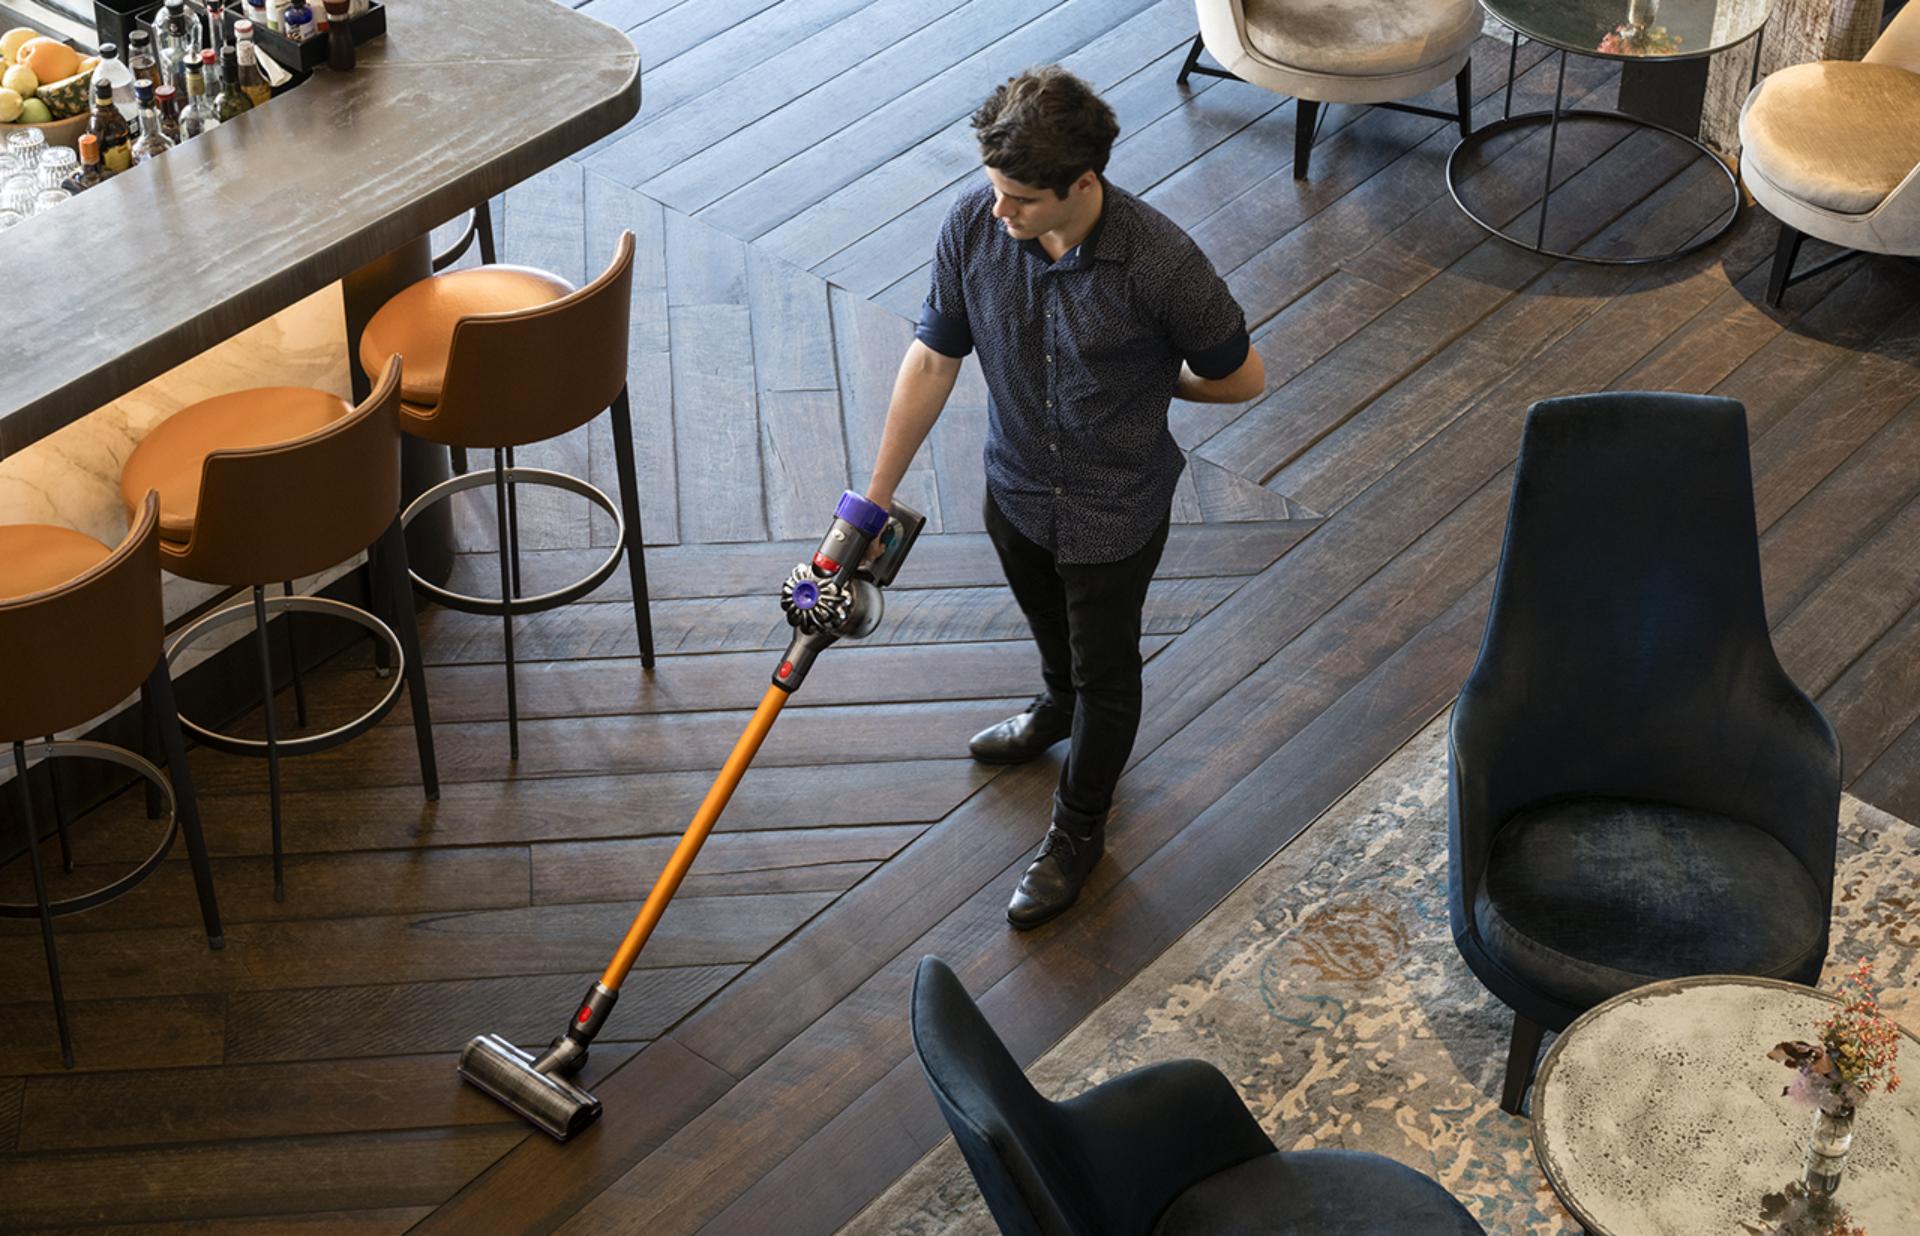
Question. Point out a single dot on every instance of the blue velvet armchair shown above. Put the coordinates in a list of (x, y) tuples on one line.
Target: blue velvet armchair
[(1638, 791)]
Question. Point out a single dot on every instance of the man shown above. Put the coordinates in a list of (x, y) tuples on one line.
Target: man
[(1091, 311)]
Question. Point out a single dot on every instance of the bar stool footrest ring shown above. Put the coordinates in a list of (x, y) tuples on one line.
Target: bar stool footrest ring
[(308, 744), (540, 477), (85, 749)]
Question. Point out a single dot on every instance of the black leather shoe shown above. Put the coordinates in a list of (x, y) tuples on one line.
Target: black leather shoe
[(1019, 739), (1054, 879)]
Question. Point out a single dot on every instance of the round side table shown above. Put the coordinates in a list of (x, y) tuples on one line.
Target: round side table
[(1659, 1114), (1624, 30)]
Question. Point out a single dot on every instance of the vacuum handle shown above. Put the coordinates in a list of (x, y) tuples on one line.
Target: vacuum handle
[(695, 837)]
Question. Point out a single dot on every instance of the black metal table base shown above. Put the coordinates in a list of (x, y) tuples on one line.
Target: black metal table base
[(1468, 145)]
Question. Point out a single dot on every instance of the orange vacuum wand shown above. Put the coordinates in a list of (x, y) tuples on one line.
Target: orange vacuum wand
[(696, 836)]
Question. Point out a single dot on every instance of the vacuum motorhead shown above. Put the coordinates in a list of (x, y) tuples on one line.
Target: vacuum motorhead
[(554, 1104)]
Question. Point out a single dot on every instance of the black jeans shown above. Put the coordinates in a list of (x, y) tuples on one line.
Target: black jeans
[(1086, 620)]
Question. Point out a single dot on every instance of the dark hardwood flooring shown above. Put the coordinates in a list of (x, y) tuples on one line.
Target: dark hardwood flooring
[(1321, 600)]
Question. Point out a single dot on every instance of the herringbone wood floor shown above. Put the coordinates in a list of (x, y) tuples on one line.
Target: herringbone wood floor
[(1321, 600)]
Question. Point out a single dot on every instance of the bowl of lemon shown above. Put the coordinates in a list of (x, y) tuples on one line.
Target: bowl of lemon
[(45, 85)]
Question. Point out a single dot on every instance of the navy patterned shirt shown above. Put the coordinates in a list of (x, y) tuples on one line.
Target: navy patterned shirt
[(1080, 358)]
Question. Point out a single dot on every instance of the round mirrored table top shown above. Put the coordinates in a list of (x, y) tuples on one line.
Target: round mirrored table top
[(1659, 1114), (1635, 29)]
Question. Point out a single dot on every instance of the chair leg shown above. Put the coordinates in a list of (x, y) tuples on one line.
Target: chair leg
[(293, 659), (273, 738), (1193, 58), (159, 689), (392, 553), (45, 902), (1463, 98), (150, 725), (457, 458), (1786, 250), (506, 598), (483, 224), (630, 512), (59, 811), (1522, 1053), (377, 602), (1305, 113), (513, 527)]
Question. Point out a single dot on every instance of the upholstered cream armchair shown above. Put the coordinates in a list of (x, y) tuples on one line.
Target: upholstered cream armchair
[(1341, 51), (1832, 150)]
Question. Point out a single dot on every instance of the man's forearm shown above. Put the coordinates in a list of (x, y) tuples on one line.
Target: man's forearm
[(919, 393), (1244, 383)]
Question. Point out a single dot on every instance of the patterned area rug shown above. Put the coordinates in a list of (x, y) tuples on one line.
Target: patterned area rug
[(1328, 988)]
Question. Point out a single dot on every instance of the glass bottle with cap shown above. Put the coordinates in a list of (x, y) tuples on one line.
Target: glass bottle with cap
[(297, 22), (151, 143), (197, 116), (110, 128), (253, 81), (176, 42), (141, 62), (88, 174), (119, 76), (231, 100), (166, 101)]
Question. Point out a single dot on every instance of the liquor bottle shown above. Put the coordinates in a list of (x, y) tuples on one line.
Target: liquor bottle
[(216, 24), (253, 81), (88, 174), (167, 101), (152, 143), (177, 42), (197, 117), (119, 76), (231, 100), (109, 128)]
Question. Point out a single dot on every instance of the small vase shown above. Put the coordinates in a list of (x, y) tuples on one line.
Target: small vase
[(1827, 1148)]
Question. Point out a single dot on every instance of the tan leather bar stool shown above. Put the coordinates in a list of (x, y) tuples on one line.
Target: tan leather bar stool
[(274, 484), (82, 626), (504, 356)]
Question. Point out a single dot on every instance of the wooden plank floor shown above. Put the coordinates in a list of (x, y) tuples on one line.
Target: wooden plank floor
[(1321, 599)]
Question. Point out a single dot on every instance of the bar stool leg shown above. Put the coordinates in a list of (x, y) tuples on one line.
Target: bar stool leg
[(273, 739), (630, 512), (293, 659), (150, 723), (59, 812), (483, 224), (377, 602), (392, 555), (506, 598), (513, 525), (46, 903), (1463, 98), (186, 804)]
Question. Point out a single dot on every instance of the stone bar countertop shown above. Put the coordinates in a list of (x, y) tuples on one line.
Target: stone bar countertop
[(459, 100)]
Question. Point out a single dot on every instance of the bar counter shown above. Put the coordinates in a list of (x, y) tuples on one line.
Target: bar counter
[(345, 173)]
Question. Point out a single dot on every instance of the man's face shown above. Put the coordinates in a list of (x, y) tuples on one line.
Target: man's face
[(1026, 211)]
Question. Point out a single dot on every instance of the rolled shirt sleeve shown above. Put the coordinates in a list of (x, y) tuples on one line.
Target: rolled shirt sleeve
[(1202, 318), (943, 319)]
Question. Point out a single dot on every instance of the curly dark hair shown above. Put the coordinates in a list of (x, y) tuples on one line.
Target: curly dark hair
[(1044, 128)]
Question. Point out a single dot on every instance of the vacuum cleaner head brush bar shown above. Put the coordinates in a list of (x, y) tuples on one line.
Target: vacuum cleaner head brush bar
[(553, 1103)]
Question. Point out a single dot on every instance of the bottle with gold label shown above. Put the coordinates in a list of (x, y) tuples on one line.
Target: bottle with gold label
[(109, 131), (253, 82)]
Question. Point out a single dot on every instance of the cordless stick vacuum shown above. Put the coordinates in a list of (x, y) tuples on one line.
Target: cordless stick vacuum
[(827, 598)]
